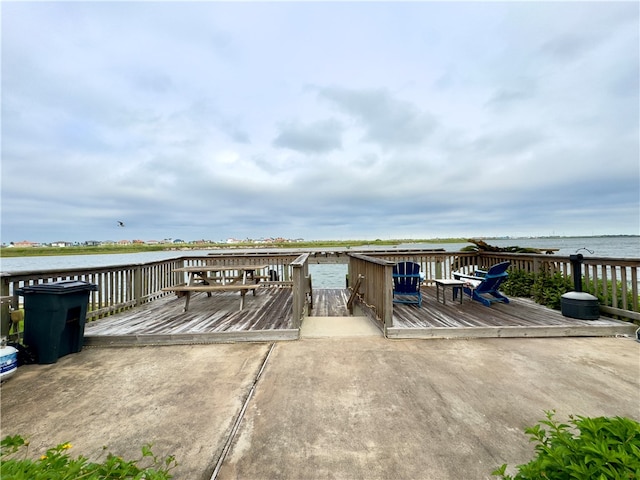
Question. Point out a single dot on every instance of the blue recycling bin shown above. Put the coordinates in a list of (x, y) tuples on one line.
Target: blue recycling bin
[(54, 318)]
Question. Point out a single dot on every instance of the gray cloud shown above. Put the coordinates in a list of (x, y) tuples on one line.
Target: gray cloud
[(318, 137), (387, 121), (196, 119)]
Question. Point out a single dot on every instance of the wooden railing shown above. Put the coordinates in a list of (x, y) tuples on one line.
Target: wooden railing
[(301, 288), (123, 287), (433, 264), (119, 287), (376, 285), (615, 281), (280, 264)]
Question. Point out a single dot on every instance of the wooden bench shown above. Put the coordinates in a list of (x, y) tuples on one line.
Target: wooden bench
[(185, 290)]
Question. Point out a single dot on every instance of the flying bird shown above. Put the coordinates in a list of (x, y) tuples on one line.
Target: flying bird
[(120, 224)]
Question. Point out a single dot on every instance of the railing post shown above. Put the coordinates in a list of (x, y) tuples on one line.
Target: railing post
[(388, 297), (137, 285), (5, 322), (299, 276)]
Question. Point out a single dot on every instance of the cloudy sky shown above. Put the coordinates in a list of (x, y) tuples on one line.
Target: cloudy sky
[(327, 120)]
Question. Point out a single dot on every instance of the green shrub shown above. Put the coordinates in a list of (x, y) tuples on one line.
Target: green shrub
[(519, 283), (548, 288), (601, 448), (57, 464)]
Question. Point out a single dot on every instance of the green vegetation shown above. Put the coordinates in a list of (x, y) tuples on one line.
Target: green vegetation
[(79, 250), (600, 448), (140, 247), (57, 464), (547, 288)]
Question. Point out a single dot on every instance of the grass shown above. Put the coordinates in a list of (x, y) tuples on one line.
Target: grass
[(138, 248)]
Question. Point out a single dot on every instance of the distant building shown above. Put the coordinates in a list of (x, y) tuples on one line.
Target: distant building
[(25, 243), (61, 244)]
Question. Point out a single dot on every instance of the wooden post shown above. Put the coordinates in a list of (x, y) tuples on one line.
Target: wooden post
[(438, 269), (299, 267), (5, 315), (387, 315), (137, 285)]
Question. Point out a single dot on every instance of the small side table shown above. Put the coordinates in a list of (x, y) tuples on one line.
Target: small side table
[(453, 284)]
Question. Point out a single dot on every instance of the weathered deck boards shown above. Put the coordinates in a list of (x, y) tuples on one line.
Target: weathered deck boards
[(267, 315), (330, 302), (520, 318)]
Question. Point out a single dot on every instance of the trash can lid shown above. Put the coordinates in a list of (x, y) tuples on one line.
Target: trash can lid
[(58, 288), (578, 296)]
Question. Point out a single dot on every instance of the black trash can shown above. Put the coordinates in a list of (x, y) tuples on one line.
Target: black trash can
[(54, 317)]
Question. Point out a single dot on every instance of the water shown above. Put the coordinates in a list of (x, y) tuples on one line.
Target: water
[(612, 247), (333, 275)]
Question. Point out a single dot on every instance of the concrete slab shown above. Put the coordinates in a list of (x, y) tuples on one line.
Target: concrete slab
[(322, 327), (371, 408), (183, 399), (341, 408)]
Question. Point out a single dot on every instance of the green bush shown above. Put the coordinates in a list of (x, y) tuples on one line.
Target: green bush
[(57, 464), (601, 448), (548, 288), (519, 283)]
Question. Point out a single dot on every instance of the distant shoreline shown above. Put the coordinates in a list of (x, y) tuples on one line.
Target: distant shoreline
[(10, 252)]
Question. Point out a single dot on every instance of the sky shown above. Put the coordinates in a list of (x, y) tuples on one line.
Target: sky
[(318, 120)]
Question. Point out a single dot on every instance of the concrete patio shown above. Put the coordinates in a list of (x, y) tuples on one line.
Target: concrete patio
[(340, 407)]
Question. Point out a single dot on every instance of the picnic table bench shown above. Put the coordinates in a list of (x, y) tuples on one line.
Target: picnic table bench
[(186, 290), (230, 278)]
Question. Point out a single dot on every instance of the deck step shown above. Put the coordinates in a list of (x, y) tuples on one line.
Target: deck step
[(338, 327)]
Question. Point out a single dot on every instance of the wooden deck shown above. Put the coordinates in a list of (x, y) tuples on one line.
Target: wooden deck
[(267, 317), (519, 318), (330, 302)]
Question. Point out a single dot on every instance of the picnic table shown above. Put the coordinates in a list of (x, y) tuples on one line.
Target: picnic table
[(214, 278)]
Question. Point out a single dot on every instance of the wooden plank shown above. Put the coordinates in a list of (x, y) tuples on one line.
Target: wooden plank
[(270, 309), (519, 318), (620, 312), (193, 338), (330, 302), (511, 332), (354, 294), (233, 287), (270, 312), (219, 268)]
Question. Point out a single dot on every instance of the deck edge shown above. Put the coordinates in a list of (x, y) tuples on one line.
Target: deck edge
[(192, 338), (511, 331)]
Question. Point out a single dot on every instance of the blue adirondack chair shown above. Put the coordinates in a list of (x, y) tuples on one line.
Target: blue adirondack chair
[(406, 283), (483, 286)]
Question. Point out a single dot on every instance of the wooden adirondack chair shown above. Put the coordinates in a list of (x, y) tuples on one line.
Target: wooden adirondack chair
[(406, 283), (483, 286)]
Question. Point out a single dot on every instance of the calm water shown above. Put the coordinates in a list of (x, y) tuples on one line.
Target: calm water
[(330, 275)]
